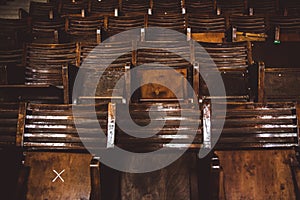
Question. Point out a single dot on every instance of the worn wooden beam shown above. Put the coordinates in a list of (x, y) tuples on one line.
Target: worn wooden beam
[(21, 125), (261, 82), (95, 179), (65, 80)]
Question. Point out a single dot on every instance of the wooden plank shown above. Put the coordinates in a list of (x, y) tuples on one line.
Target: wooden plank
[(21, 125), (95, 180), (171, 182), (65, 80), (208, 37), (257, 174), (261, 82), (298, 121), (76, 176)]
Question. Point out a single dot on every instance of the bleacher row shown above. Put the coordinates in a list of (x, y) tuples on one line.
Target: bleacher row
[(43, 51), (44, 137), (50, 23), (45, 73)]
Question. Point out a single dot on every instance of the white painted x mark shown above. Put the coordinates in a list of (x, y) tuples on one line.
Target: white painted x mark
[(58, 176)]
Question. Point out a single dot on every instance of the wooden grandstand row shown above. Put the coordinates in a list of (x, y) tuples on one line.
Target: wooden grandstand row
[(46, 72), (166, 7), (46, 133), (58, 118), (219, 28)]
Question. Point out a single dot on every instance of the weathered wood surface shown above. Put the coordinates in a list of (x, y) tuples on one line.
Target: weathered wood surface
[(169, 78), (76, 176), (172, 182), (257, 175)]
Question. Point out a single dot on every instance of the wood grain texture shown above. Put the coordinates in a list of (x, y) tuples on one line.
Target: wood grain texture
[(151, 90), (172, 182), (257, 175), (76, 176), (208, 37)]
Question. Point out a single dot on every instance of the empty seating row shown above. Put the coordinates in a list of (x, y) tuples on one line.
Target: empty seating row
[(72, 128), (47, 72), (153, 7), (55, 152), (199, 28), (153, 61)]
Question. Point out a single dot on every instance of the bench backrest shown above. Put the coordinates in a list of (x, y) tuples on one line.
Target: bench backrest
[(11, 66), (252, 126), (85, 29), (233, 61)]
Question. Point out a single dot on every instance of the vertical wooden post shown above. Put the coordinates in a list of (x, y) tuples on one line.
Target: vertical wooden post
[(215, 5), (194, 183), (298, 121), (3, 74), (249, 53), (215, 183), (206, 126), (134, 52), (51, 14), (196, 78), (120, 5), (65, 80), (111, 125), (245, 5), (98, 36), (151, 4), (95, 179), (277, 5), (56, 39), (89, 6), (78, 54), (261, 82), (106, 22), (127, 82), (67, 24), (21, 125), (146, 21)]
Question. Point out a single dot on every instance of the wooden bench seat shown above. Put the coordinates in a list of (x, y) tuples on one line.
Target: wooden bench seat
[(258, 145), (172, 21), (96, 59), (40, 10), (206, 28), (154, 58), (14, 33), (166, 7), (135, 7), (11, 66), (263, 7), (85, 29), (285, 28), (46, 74), (10, 113), (259, 126), (47, 30), (103, 8), (50, 141), (248, 28), (234, 62), (171, 131), (195, 7), (120, 24), (230, 7)]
